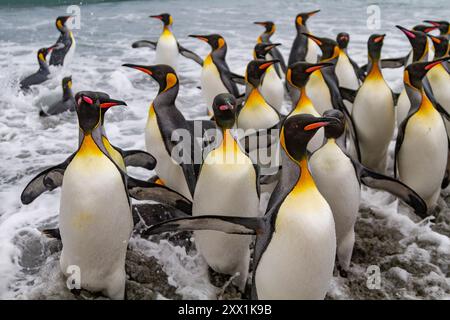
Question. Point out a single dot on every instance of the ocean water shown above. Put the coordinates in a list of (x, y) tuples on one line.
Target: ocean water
[(29, 144)]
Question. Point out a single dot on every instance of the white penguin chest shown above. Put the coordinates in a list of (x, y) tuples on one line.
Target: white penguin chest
[(311, 54), (272, 88), (167, 50), (212, 84), (346, 74), (440, 83), (256, 113), (403, 106), (319, 93)]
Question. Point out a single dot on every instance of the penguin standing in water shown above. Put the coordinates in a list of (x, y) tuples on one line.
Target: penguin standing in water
[(167, 47), (67, 103), (421, 148), (295, 240), (274, 53), (216, 76), (95, 213), (163, 119), (42, 74), (65, 49), (303, 48), (330, 167), (297, 76), (347, 71), (271, 87), (225, 253), (373, 111)]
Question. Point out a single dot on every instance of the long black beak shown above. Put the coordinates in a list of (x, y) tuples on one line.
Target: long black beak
[(145, 69)]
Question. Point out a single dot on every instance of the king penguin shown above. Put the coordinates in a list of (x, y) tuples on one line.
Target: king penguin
[(42, 74), (295, 240), (303, 48), (95, 214), (330, 167), (274, 53), (421, 148), (216, 76), (373, 111), (67, 103), (271, 87), (443, 26), (163, 119), (167, 47), (225, 253), (65, 45)]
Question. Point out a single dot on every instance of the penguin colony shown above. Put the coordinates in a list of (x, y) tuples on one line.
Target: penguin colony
[(334, 139)]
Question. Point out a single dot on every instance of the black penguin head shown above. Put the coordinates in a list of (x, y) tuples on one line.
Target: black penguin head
[(418, 41), (268, 25), (423, 28), (329, 47), (61, 22), (90, 106), (335, 128), (441, 47), (298, 73), (224, 108), (374, 45), (216, 41), (67, 83), (342, 39), (301, 18), (261, 49), (416, 71), (163, 74), (255, 70), (443, 26), (43, 53), (298, 130), (165, 18)]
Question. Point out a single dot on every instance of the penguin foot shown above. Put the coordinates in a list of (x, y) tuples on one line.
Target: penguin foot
[(342, 272)]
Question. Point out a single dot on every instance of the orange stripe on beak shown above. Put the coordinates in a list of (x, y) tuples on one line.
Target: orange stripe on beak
[(431, 65), (314, 68), (107, 105), (264, 66), (315, 125)]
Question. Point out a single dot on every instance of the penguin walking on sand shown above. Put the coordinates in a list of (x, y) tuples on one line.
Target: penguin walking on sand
[(42, 74), (95, 213), (330, 167), (298, 219), (421, 149), (272, 87), (303, 48), (65, 45), (373, 111), (274, 53), (216, 76), (67, 103), (163, 119), (229, 254), (167, 47)]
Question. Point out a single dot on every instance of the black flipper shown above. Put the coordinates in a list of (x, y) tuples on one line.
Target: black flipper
[(224, 71), (430, 95), (138, 158), (348, 94), (236, 78), (276, 54), (190, 54), (446, 180), (359, 72), (394, 63), (227, 224), (52, 233), (47, 180), (144, 44), (395, 97), (144, 190), (397, 188)]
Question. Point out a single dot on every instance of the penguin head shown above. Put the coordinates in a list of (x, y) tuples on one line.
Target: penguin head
[(342, 39), (423, 28), (415, 72), (374, 45), (216, 41), (67, 83), (301, 18), (329, 47), (224, 108), (43, 53), (418, 41), (261, 49), (61, 22), (163, 74), (440, 44), (165, 18), (268, 25), (335, 128), (298, 130), (89, 106), (255, 70), (443, 26), (298, 73)]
